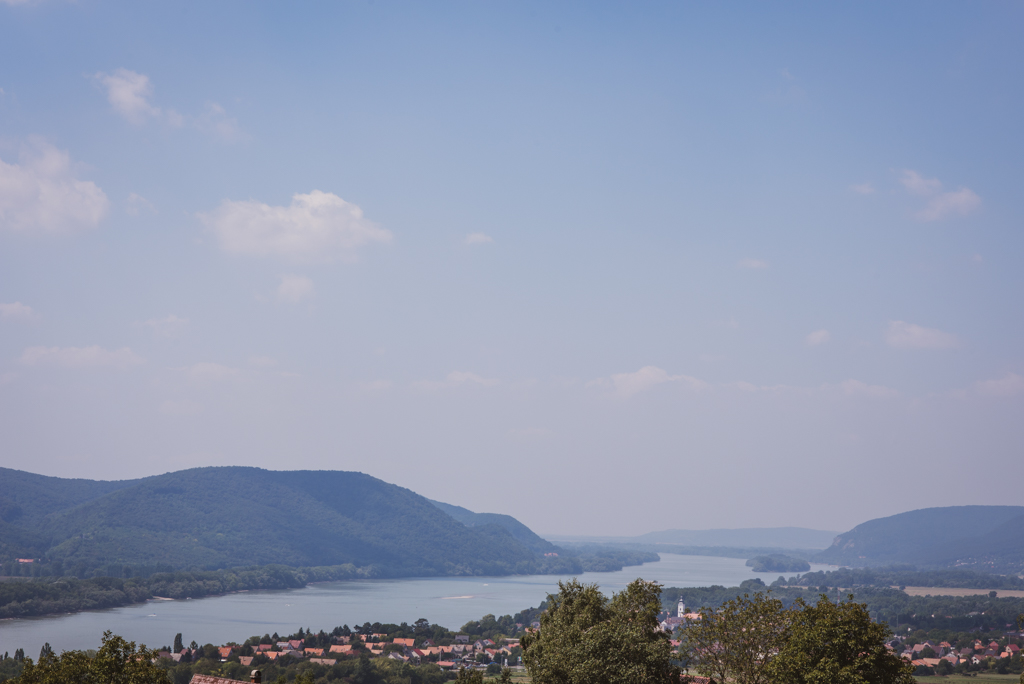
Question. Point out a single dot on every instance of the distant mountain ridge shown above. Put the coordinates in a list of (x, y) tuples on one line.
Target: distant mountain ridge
[(233, 516), (988, 538)]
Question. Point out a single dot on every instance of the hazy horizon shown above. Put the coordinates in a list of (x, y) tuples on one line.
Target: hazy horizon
[(610, 269)]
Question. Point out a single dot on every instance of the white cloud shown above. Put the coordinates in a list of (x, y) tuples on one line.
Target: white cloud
[(940, 204), (858, 388), (215, 120), (752, 263), (16, 311), (960, 202), (129, 93), (168, 326), (464, 378), (80, 357), (863, 189), (295, 288), (1008, 386), (977, 260), (136, 204), (627, 384), (818, 337), (903, 335), (317, 226), (916, 184), (478, 239), (41, 194), (209, 372)]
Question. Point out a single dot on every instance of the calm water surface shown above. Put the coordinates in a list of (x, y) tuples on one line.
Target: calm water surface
[(449, 601)]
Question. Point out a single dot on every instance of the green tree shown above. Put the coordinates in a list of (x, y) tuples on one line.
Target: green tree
[(46, 651), (836, 644), (738, 641), (178, 644), (117, 662), (586, 639), (469, 676)]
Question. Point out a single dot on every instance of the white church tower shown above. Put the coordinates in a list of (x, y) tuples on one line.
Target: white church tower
[(682, 609)]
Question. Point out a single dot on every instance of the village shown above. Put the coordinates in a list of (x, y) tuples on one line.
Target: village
[(465, 653)]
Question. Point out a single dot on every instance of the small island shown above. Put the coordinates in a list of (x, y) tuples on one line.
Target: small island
[(778, 562)]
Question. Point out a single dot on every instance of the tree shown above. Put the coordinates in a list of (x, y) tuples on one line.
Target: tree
[(178, 644), (117, 662), (739, 641), (837, 644), (586, 639), (45, 651), (469, 676)]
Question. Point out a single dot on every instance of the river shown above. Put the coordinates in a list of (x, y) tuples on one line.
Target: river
[(448, 601)]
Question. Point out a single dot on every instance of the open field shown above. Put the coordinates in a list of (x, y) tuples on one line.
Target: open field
[(947, 591)]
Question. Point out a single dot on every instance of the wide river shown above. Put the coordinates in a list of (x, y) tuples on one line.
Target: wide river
[(448, 601)]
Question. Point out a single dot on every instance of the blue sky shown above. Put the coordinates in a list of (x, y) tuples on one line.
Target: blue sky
[(609, 268)]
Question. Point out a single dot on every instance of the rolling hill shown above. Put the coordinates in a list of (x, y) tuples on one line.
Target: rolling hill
[(989, 538), (212, 518)]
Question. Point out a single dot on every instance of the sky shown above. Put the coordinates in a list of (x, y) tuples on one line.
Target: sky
[(606, 267)]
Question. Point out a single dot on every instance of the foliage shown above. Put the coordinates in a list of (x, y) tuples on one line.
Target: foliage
[(989, 537), (895, 576), (737, 642), (586, 639), (828, 643), (777, 562), (117, 662)]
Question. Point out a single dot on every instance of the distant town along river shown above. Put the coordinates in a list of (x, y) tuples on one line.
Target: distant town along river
[(448, 601)]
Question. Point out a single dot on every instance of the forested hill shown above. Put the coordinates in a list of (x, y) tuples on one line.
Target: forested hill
[(987, 538), (211, 518), (521, 532)]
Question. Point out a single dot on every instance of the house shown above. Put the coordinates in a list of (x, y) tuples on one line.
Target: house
[(408, 643), (323, 661), (977, 660), (428, 643), (264, 647), (313, 651), (445, 664), (462, 638), (296, 644), (245, 660), (341, 648), (225, 652), (255, 677)]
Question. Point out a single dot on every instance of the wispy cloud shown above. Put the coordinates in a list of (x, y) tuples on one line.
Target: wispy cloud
[(207, 371), (752, 263), (137, 204), (626, 385), (216, 121), (130, 94), (315, 226), (818, 337), (458, 379), (1009, 385), (903, 335), (167, 326), (940, 204), (858, 388), (478, 239), (16, 311), (80, 357), (42, 194), (863, 188), (295, 288)]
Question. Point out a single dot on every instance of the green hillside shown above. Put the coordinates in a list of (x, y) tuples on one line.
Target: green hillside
[(984, 537), (521, 532), (211, 518)]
